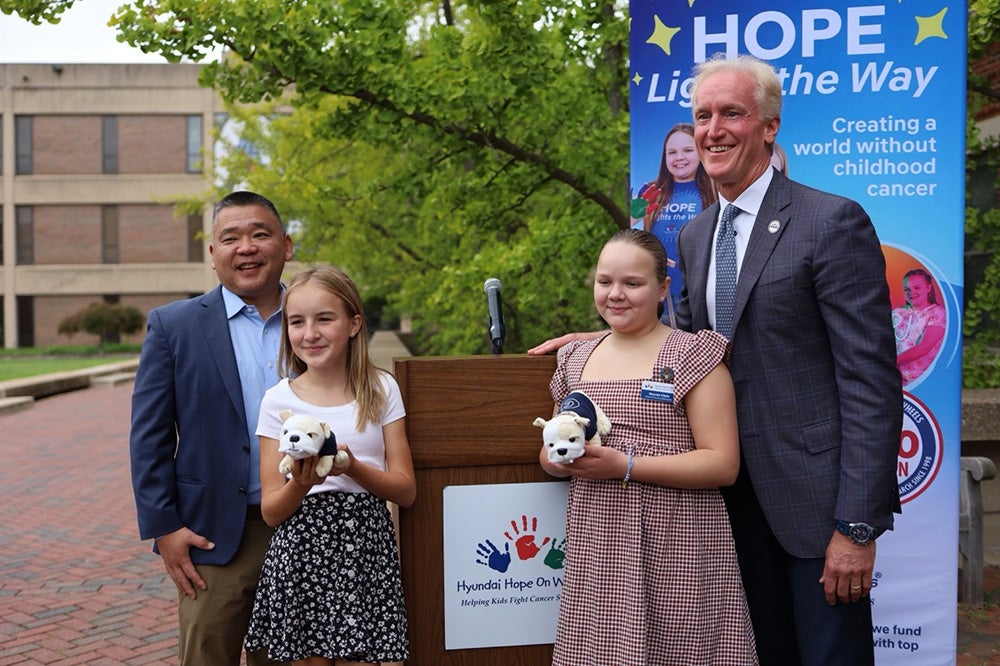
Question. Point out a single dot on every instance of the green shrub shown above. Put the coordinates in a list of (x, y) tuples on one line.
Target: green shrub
[(106, 320)]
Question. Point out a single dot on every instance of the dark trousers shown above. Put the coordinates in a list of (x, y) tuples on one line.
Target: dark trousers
[(792, 622)]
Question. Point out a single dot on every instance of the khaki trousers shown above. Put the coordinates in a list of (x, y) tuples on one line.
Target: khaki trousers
[(214, 625)]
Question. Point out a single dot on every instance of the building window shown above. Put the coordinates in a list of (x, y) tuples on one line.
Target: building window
[(22, 143), (109, 235), (25, 233), (196, 246), (109, 144), (194, 144), (25, 321)]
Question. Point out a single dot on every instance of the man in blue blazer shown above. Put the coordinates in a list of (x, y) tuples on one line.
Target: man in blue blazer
[(818, 395), (204, 366)]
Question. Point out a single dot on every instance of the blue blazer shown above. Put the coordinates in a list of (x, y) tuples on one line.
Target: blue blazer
[(818, 394), (188, 443)]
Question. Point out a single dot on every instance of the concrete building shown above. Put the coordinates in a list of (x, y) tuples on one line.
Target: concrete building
[(94, 159)]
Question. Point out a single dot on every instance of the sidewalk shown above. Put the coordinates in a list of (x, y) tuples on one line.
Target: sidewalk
[(979, 628), (385, 346), (76, 584), (78, 587)]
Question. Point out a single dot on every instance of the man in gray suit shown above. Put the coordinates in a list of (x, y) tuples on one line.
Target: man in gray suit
[(818, 395), (204, 367)]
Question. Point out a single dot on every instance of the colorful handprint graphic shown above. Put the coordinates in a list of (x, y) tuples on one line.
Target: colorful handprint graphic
[(492, 557), (555, 558), (525, 543)]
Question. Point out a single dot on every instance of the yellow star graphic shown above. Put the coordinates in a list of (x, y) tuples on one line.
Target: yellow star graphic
[(930, 26), (662, 35), (690, 3), (637, 79)]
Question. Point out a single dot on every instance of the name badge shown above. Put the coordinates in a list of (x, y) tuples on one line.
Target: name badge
[(658, 391)]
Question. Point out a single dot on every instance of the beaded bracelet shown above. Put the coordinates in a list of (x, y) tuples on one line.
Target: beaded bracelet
[(628, 470)]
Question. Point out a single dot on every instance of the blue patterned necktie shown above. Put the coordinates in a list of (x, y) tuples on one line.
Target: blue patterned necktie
[(725, 272)]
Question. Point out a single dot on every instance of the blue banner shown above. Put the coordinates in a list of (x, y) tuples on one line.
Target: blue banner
[(874, 109)]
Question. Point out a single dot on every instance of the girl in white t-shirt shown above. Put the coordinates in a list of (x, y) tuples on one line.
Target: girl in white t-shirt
[(330, 590)]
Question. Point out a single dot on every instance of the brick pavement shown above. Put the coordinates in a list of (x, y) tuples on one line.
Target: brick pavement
[(979, 628), (78, 587), (76, 584)]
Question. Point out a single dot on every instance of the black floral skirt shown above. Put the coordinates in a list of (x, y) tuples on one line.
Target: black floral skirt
[(331, 585)]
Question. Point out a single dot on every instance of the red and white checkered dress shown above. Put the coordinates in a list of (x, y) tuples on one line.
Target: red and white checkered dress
[(651, 576)]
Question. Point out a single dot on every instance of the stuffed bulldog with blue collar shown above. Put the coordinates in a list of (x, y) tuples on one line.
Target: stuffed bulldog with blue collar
[(303, 436), (579, 420)]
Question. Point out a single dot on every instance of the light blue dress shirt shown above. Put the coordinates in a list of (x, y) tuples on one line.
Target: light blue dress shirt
[(256, 343)]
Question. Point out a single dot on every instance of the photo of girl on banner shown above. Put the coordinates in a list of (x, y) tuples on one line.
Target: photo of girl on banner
[(919, 325), (681, 190)]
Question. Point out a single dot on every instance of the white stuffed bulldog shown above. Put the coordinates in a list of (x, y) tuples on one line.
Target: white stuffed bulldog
[(303, 436), (579, 420)]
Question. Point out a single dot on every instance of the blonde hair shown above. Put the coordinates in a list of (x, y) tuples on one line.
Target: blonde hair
[(363, 377)]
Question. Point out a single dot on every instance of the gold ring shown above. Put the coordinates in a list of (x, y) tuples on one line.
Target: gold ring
[(858, 587)]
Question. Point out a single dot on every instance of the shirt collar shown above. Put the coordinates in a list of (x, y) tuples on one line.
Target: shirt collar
[(750, 200), (235, 304)]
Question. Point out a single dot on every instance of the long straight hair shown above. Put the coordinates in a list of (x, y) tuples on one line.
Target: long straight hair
[(665, 180), (363, 376)]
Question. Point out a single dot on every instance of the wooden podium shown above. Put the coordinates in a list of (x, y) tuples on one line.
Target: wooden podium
[(468, 420)]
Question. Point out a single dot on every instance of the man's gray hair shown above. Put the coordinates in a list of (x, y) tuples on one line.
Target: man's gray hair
[(766, 82)]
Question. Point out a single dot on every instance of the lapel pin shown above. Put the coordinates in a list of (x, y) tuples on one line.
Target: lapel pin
[(773, 226)]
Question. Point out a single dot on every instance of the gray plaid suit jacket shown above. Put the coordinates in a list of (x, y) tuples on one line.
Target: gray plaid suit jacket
[(818, 394)]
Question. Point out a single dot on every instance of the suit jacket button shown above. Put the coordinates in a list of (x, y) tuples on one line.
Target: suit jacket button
[(246, 449), (243, 491)]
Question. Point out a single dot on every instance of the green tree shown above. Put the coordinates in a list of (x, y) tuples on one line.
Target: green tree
[(105, 320), (429, 145), (982, 217)]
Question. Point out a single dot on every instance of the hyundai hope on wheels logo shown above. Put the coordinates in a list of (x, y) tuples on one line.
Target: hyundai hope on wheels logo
[(920, 449)]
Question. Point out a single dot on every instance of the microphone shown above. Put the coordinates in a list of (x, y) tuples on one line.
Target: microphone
[(492, 288)]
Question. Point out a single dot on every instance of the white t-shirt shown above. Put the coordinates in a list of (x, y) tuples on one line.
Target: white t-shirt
[(367, 446)]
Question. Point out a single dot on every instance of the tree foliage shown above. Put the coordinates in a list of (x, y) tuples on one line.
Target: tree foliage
[(426, 146), (37, 11), (981, 323), (105, 320)]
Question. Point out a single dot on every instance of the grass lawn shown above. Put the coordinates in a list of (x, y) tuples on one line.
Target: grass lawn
[(17, 367), (28, 362)]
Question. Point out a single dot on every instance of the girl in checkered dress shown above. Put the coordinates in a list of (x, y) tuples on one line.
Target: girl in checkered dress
[(651, 576)]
